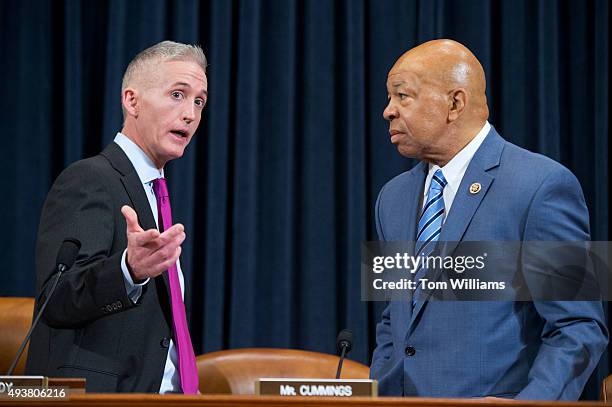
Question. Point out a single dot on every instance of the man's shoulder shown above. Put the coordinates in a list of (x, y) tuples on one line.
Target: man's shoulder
[(97, 165), (532, 166), (406, 179), (98, 169), (524, 156), (517, 165)]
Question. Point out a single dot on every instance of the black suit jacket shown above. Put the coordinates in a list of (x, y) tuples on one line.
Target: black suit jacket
[(91, 328)]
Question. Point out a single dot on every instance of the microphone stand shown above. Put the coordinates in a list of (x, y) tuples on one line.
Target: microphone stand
[(341, 360), (42, 309)]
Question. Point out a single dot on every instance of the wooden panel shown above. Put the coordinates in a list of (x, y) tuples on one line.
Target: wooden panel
[(75, 385), (15, 320), (153, 400)]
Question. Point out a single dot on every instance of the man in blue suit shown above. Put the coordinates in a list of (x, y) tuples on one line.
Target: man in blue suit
[(472, 185)]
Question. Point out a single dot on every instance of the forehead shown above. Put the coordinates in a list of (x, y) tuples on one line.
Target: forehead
[(415, 71), (402, 77), (183, 72)]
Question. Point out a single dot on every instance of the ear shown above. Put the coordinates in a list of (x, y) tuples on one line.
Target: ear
[(129, 100), (458, 99)]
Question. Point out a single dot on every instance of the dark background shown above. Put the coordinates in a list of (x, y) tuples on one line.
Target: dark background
[(278, 186)]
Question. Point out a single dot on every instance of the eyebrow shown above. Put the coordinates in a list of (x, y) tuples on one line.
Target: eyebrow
[(185, 84)]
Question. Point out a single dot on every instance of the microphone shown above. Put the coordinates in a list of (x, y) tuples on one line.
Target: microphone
[(66, 256), (344, 343)]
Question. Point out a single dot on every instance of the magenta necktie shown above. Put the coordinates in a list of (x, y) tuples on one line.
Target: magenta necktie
[(188, 370)]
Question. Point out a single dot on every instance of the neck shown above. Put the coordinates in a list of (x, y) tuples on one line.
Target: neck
[(456, 142), (132, 133)]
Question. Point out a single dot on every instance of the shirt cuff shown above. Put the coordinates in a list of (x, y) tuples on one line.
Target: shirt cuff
[(134, 291)]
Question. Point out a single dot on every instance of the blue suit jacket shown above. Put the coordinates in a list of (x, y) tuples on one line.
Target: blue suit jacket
[(523, 350)]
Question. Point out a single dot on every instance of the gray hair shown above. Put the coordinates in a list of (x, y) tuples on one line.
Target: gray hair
[(162, 52)]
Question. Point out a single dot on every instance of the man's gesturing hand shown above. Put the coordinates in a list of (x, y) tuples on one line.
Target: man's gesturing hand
[(149, 252)]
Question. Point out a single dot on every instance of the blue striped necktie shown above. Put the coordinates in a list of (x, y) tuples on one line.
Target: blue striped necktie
[(430, 223)]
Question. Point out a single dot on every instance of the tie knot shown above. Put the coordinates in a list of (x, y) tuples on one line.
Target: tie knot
[(160, 188), (438, 181)]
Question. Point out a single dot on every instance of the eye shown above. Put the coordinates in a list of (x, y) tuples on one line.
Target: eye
[(200, 102), (402, 96), (177, 95)]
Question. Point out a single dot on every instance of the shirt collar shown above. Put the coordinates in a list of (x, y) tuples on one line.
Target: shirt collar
[(453, 170), (143, 165)]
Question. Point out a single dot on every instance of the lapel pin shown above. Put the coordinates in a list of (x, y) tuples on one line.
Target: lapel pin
[(475, 188)]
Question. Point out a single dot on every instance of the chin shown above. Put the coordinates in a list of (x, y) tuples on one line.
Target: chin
[(407, 152), (173, 155), (176, 154)]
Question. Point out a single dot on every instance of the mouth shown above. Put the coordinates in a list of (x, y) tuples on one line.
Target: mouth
[(180, 133), (395, 134)]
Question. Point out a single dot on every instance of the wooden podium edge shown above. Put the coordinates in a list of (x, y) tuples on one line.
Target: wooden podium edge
[(76, 397), (74, 385), (156, 400)]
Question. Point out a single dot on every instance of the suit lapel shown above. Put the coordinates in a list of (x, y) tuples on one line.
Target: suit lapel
[(133, 187), (129, 178), (413, 205), (465, 204), (403, 306), (463, 209)]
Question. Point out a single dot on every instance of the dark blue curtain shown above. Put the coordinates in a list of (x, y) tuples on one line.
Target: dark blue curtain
[(277, 189)]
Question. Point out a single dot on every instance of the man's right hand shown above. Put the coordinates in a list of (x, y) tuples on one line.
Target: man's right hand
[(149, 252)]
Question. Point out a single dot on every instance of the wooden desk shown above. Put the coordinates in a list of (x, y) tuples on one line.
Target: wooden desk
[(154, 400)]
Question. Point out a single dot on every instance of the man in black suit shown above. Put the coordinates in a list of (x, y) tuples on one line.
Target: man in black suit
[(110, 319)]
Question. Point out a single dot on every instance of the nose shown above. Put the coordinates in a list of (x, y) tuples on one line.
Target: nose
[(390, 111), (189, 113)]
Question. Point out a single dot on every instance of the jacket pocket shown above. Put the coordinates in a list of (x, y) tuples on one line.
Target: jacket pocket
[(509, 395), (96, 380)]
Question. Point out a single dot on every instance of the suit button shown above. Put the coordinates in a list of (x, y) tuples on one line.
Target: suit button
[(165, 342), (109, 308), (410, 351)]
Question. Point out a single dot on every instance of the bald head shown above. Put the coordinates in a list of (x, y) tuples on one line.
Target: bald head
[(437, 100), (449, 65)]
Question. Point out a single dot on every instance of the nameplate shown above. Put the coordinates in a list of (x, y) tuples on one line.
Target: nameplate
[(9, 382), (39, 387), (316, 387)]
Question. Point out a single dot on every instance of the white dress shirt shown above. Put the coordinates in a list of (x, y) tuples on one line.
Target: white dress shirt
[(147, 172), (454, 170)]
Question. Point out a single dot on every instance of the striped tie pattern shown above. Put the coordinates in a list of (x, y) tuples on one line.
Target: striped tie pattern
[(430, 223)]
